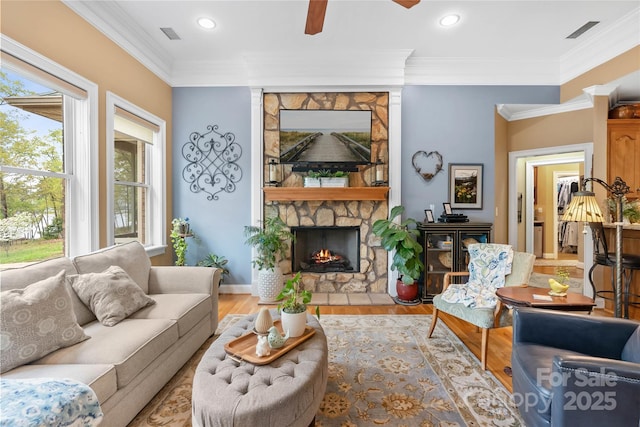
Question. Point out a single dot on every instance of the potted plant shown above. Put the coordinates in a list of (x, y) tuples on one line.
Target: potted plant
[(180, 230), (630, 210), (271, 244), (216, 261), (403, 241), (293, 306)]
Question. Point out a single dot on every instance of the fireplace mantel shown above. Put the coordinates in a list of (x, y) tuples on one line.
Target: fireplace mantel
[(294, 194)]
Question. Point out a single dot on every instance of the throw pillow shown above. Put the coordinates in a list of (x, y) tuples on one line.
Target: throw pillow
[(35, 321), (111, 295)]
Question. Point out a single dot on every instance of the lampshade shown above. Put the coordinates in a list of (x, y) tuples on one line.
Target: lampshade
[(583, 207)]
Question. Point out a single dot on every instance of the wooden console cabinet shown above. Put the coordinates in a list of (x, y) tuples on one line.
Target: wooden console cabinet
[(623, 153), (440, 257)]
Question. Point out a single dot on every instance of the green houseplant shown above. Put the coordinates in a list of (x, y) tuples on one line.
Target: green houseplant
[(271, 242), (180, 230), (216, 261), (403, 241), (293, 306)]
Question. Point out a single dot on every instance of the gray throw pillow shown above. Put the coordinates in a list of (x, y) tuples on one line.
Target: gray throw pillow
[(111, 295), (35, 321)]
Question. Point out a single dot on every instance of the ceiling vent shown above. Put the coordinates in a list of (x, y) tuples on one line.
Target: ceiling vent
[(580, 31), (170, 33)]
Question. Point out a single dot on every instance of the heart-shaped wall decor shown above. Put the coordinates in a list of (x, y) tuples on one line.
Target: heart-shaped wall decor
[(427, 164)]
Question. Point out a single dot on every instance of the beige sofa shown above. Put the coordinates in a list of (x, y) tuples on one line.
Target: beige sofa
[(128, 363)]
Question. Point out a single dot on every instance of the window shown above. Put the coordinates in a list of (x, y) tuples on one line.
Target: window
[(48, 178), (136, 165)]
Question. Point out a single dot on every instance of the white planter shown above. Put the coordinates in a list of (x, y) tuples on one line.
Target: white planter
[(270, 283), (342, 181), (311, 182), (294, 323)]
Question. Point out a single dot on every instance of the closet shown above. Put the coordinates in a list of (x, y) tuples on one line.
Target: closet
[(567, 230)]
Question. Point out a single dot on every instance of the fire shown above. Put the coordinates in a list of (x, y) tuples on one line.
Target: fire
[(323, 256)]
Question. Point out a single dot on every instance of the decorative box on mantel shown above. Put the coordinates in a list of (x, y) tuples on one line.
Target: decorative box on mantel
[(329, 182)]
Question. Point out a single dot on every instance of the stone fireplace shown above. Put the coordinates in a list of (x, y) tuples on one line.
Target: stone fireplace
[(367, 271)]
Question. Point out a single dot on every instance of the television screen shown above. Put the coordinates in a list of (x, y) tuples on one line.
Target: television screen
[(325, 138)]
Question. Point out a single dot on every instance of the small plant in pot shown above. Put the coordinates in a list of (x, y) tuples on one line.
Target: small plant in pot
[(271, 242), (407, 259), (180, 230), (293, 306)]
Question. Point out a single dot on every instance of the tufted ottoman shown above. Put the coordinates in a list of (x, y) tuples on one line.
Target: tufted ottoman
[(286, 392)]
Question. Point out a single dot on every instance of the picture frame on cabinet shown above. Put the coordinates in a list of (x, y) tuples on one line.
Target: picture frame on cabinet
[(466, 185), (428, 214)]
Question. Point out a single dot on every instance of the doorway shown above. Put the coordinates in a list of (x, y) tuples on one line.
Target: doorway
[(522, 166)]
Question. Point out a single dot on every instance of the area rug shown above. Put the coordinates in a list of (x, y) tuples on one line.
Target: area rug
[(382, 371), (540, 280)]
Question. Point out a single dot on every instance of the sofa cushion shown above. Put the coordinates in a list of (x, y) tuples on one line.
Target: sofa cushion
[(18, 278), (101, 378), (130, 346), (131, 256), (631, 350), (111, 295), (186, 309), (35, 321)]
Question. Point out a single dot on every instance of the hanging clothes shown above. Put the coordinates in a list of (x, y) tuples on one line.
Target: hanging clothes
[(567, 230)]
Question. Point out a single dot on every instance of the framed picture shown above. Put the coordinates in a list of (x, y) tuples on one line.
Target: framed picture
[(465, 186), (428, 214), (447, 208)]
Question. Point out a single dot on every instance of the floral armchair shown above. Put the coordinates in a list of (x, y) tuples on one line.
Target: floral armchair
[(491, 266)]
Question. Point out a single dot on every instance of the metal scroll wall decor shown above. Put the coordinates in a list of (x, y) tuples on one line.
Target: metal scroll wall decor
[(212, 166), (427, 165)]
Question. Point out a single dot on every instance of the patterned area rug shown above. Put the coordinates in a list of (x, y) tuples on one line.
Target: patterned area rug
[(382, 371)]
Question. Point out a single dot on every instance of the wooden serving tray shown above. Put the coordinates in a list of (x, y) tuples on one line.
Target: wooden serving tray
[(244, 347)]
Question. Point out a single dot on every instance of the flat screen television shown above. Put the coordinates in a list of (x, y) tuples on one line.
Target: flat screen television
[(325, 139)]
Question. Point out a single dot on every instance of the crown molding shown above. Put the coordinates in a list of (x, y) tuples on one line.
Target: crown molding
[(123, 31), (620, 37), (356, 68), (361, 68), (513, 112)]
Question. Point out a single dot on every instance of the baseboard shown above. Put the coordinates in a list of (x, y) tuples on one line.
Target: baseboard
[(235, 289)]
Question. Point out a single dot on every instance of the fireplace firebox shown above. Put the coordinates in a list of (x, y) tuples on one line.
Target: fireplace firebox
[(326, 249)]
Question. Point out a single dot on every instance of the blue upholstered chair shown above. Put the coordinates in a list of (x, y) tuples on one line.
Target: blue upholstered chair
[(575, 370), (484, 318)]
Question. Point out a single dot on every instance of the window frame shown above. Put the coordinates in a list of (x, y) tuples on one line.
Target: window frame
[(80, 128), (155, 168)]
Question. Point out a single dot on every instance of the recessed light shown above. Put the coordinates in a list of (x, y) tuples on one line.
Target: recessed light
[(449, 20), (206, 23)]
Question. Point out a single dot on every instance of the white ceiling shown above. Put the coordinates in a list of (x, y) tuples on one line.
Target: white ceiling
[(369, 42)]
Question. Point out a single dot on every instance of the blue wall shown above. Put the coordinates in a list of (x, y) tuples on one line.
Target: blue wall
[(218, 224), (456, 121)]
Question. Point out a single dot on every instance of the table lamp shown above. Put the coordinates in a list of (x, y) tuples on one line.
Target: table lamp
[(584, 208)]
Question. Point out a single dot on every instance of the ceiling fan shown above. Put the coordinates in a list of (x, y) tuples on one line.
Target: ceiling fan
[(318, 8)]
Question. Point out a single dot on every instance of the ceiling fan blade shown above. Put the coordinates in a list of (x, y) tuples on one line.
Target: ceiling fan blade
[(407, 3), (315, 16)]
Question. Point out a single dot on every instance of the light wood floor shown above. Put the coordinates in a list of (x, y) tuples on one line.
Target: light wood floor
[(499, 352)]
